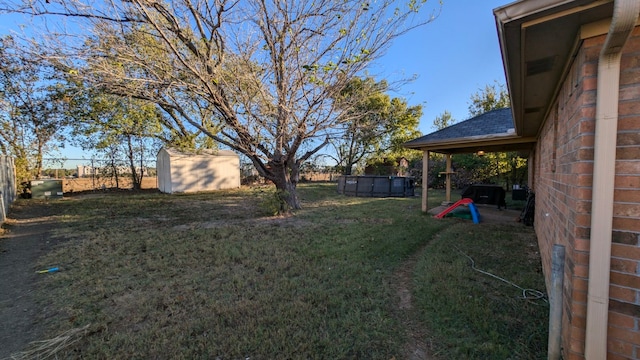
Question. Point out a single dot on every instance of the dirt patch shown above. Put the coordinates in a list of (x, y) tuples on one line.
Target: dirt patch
[(418, 346), (25, 239)]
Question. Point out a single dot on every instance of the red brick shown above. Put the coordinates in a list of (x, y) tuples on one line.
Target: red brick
[(628, 153), (575, 355), (629, 108), (596, 41), (583, 167), (590, 69), (628, 93), (621, 320), (627, 182), (590, 83), (578, 309), (628, 280), (628, 139), (582, 244), (627, 195), (624, 335), (580, 284), (627, 167), (576, 346), (579, 296), (622, 293), (624, 265), (581, 257), (626, 210), (613, 356), (625, 251), (583, 220), (629, 77), (581, 271), (629, 122), (628, 224)]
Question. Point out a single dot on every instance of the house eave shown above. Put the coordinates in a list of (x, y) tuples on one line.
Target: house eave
[(538, 40), (476, 143)]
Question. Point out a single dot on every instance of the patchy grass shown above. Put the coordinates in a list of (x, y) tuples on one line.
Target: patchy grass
[(211, 276), (474, 315)]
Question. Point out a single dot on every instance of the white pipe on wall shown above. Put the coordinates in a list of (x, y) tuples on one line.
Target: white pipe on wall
[(625, 15)]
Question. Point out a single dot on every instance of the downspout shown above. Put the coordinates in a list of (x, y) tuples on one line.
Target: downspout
[(625, 15)]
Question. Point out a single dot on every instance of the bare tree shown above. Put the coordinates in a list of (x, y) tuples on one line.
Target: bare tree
[(258, 76)]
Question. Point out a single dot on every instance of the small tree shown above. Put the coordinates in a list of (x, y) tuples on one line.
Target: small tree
[(492, 97), (443, 121)]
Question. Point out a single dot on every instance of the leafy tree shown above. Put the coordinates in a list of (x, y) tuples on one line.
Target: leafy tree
[(492, 97), (119, 128), (443, 121), (366, 110), (257, 76), (31, 119), (490, 167), (402, 127), (374, 125)]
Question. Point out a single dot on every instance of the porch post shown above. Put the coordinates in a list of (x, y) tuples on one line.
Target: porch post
[(448, 179), (425, 179)]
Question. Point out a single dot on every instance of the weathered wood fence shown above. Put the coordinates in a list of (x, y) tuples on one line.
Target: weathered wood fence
[(7, 185)]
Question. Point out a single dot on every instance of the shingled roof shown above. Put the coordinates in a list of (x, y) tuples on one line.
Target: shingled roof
[(490, 131)]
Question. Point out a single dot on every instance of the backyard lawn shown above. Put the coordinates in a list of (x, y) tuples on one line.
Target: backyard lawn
[(215, 276)]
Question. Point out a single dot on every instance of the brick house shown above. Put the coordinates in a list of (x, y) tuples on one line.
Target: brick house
[(573, 73)]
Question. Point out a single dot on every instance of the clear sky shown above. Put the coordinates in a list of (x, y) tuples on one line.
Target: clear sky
[(454, 56)]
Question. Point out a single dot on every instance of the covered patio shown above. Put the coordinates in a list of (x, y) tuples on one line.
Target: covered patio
[(492, 131)]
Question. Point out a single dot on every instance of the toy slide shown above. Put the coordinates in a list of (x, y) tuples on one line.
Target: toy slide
[(466, 201)]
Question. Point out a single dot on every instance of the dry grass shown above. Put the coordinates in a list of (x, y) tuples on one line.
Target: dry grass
[(50, 348), (213, 276)]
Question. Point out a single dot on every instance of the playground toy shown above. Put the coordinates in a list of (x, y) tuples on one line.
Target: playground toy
[(466, 201)]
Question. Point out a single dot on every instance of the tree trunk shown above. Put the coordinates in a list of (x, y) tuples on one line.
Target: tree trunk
[(135, 180), (115, 171), (38, 169), (285, 180)]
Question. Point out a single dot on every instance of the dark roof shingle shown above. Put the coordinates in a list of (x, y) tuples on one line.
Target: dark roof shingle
[(497, 122)]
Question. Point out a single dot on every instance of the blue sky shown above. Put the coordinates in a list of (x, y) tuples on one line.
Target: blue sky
[(454, 56)]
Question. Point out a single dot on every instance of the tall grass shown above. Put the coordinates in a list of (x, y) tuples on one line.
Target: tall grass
[(213, 276)]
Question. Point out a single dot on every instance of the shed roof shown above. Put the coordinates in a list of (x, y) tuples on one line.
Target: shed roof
[(201, 152), (491, 131)]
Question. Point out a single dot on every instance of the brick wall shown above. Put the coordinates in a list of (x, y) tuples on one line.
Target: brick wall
[(563, 177)]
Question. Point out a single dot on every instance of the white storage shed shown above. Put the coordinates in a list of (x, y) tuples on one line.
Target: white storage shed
[(205, 170)]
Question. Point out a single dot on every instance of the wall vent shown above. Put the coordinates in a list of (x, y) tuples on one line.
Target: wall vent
[(540, 66)]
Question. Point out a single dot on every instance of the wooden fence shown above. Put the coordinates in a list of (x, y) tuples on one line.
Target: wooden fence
[(7, 185)]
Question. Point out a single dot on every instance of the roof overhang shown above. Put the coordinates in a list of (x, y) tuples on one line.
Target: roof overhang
[(475, 144), (538, 40)]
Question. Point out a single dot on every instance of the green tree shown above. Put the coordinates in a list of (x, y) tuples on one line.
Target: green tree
[(263, 72), (494, 96), (122, 129), (402, 126), (374, 125), (493, 166), (443, 121), (31, 116), (365, 107)]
